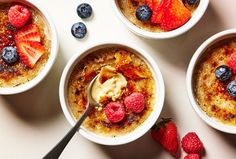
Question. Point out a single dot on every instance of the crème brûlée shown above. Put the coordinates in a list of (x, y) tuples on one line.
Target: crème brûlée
[(166, 15), (32, 42), (211, 93), (120, 73)]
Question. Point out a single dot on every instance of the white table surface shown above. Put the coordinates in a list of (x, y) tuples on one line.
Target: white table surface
[(32, 123)]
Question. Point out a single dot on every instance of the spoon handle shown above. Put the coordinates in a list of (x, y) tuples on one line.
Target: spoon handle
[(57, 150)]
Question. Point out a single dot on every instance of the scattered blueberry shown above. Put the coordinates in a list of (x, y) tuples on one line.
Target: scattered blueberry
[(79, 30), (84, 10), (223, 73), (143, 13), (231, 88), (191, 2), (9, 55)]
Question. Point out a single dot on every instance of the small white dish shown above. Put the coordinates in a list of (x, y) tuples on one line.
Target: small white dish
[(197, 15), (139, 131), (197, 55), (52, 57)]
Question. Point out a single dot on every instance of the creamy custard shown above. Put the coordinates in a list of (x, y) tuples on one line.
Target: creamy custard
[(108, 87)]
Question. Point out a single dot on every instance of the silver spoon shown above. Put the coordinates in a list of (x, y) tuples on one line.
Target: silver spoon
[(58, 149)]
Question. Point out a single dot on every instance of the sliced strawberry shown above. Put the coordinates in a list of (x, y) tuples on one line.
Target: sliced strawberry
[(158, 10), (28, 33), (232, 62), (30, 52), (149, 3), (175, 15)]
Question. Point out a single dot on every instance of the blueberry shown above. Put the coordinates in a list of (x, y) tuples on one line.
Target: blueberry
[(231, 88), (191, 2), (10, 55), (223, 73), (84, 10), (143, 13), (79, 30)]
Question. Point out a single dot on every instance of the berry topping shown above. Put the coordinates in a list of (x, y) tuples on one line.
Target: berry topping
[(191, 2), (18, 16), (28, 33), (79, 30), (30, 52), (191, 143), (166, 134), (158, 7), (223, 73), (28, 45), (84, 10), (231, 88), (175, 15), (232, 62), (143, 13), (192, 156), (135, 102), (9, 55), (115, 112)]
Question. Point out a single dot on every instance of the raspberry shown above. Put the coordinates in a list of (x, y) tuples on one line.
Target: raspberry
[(18, 16), (135, 102), (115, 112), (232, 62), (191, 143), (192, 156)]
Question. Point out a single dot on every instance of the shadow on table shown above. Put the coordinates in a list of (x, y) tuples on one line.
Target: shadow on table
[(229, 138), (144, 147), (41, 103), (178, 51)]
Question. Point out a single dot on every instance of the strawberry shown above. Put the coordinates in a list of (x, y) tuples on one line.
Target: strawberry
[(29, 32), (149, 3), (18, 15), (192, 156), (232, 62), (166, 134), (30, 52), (175, 15), (191, 143), (158, 10)]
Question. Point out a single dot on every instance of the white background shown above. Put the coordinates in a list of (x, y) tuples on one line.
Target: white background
[(32, 123)]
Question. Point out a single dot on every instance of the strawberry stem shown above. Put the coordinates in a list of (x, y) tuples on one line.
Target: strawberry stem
[(161, 124)]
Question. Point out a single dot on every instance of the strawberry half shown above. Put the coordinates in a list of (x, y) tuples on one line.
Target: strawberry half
[(158, 10), (29, 33), (175, 15), (166, 134), (30, 52)]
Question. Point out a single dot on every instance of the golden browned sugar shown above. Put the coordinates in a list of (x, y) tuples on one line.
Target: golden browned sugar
[(18, 74), (139, 79), (211, 94), (129, 7)]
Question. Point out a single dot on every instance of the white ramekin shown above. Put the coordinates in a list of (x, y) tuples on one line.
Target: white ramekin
[(144, 127), (52, 56), (199, 12), (197, 55)]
